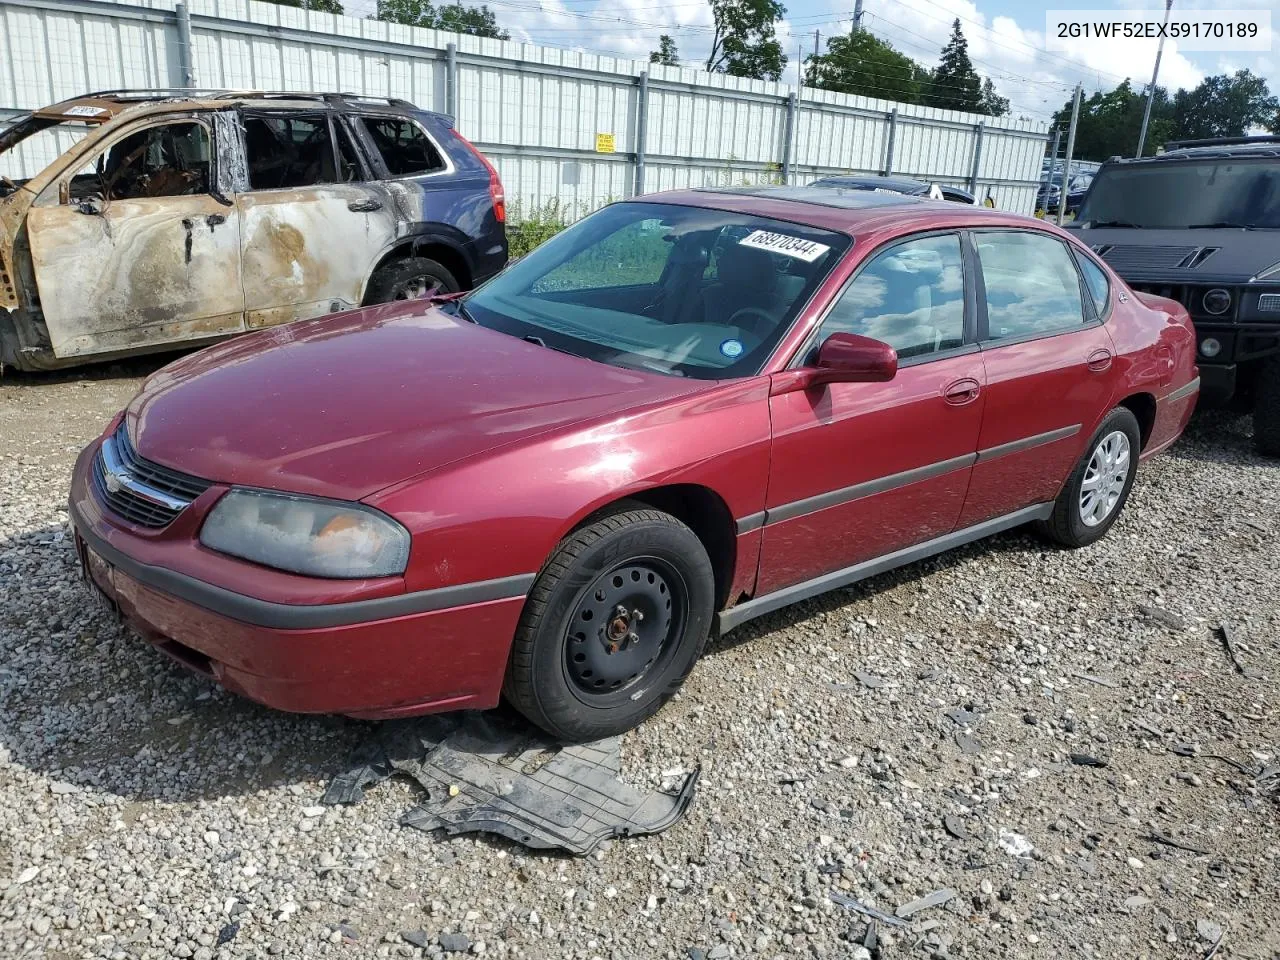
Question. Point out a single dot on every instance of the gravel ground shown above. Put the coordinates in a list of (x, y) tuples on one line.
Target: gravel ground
[(929, 730)]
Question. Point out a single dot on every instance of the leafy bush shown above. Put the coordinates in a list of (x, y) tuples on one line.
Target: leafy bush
[(527, 229)]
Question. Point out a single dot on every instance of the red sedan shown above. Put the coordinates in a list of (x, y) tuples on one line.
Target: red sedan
[(680, 413)]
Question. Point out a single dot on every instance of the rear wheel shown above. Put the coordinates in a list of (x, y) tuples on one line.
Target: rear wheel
[(613, 625), (1266, 409), (1096, 491), (410, 279)]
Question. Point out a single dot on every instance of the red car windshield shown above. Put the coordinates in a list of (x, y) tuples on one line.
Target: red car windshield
[(680, 290)]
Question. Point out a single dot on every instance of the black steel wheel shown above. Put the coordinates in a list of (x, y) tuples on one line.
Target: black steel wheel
[(624, 629), (612, 626)]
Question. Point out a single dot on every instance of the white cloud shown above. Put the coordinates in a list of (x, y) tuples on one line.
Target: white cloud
[(1008, 49)]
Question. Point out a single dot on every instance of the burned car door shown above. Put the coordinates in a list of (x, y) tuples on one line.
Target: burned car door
[(313, 224), (138, 247)]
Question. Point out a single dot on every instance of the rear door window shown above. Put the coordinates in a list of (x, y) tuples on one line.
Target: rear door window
[(1032, 285), (289, 150), (404, 146)]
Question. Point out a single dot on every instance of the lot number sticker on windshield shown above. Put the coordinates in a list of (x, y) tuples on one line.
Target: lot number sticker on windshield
[(83, 111), (786, 245)]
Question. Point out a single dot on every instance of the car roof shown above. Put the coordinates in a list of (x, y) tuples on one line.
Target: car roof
[(851, 212), (104, 105), (1218, 148)]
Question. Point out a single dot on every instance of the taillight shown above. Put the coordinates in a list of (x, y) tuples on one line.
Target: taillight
[(496, 193)]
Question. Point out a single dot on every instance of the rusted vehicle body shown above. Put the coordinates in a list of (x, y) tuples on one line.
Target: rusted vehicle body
[(182, 219)]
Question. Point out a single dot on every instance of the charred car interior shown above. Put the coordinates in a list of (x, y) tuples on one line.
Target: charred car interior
[(167, 220)]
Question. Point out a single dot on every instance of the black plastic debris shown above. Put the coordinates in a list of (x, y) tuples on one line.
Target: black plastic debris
[(1232, 644), (1087, 760), (490, 773)]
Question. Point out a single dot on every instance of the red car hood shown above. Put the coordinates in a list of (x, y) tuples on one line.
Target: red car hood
[(345, 406)]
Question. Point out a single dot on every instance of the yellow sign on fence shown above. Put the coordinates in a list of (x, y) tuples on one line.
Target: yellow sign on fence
[(604, 143)]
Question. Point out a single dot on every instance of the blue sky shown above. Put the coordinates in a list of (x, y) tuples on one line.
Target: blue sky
[(1006, 38)]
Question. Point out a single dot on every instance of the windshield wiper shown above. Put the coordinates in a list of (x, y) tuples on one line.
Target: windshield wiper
[(462, 310), (1089, 224), (535, 339)]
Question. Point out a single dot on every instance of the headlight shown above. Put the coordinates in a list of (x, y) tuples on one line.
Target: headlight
[(319, 538), (1217, 301)]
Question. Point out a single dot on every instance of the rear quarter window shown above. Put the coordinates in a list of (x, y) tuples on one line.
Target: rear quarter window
[(405, 147), (1096, 280)]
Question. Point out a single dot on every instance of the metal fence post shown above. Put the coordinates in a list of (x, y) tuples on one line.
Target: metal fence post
[(978, 131), (451, 80), (642, 128), (890, 136), (1071, 149), (788, 145), (184, 44)]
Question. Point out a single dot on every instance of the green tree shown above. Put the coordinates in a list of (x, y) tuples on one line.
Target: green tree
[(453, 18), (744, 43), (666, 52), (1224, 106), (865, 65), (1109, 122), (993, 105), (955, 85), (323, 6)]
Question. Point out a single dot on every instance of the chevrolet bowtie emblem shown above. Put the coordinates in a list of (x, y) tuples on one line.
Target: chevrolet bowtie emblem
[(115, 481)]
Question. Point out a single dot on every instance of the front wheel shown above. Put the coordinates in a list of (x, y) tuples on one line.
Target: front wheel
[(1266, 409), (1096, 491), (613, 625)]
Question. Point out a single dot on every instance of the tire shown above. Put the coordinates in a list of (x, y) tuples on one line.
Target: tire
[(409, 279), (1266, 409), (577, 669), (1076, 522)]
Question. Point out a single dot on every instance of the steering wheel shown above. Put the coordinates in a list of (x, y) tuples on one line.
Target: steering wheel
[(754, 319)]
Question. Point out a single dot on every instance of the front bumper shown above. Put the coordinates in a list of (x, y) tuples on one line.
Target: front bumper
[(379, 658), (1217, 382)]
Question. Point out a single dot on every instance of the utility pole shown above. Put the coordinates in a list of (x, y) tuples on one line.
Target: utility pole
[(857, 18), (1066, 161), (1151, 90)]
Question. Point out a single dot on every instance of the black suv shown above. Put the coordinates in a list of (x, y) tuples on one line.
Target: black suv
[(1200, 223)]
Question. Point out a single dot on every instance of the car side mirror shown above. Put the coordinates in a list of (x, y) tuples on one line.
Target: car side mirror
[(89, 206), (852, 358)]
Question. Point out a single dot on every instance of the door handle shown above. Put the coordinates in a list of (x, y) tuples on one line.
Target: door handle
[(364, 206), (962, 391), (1100, 360)]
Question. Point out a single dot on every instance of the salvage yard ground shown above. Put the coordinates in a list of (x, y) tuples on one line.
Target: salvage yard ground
[(933, 729)]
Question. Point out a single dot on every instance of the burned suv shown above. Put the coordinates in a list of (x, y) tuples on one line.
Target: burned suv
[(1200, 223), (152, 219)]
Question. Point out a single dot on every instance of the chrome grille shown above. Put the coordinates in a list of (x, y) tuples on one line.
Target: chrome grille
[(140, 491)]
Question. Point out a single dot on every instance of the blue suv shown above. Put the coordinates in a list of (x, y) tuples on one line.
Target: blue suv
[(180, 217)]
